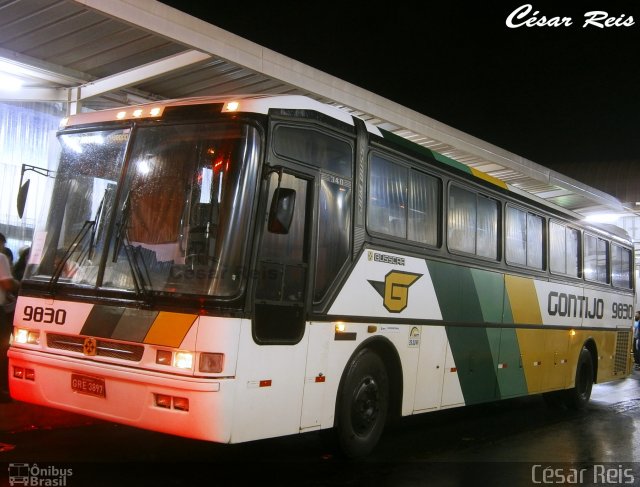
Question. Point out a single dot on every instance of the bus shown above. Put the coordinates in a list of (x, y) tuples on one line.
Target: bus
[(238, 268)]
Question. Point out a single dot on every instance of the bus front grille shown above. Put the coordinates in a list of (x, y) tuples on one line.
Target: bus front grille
[(103, 348)]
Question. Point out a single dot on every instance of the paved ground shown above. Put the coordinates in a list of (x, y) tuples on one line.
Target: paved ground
[(491, 444)]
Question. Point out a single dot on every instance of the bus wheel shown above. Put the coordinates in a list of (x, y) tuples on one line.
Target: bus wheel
[(362, 405), (578, 397)]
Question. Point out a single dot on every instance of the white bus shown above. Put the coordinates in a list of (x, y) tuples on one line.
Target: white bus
[(244, 268)]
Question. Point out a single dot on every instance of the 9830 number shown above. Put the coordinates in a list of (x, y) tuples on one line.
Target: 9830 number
[(38, 314), (622, 311)]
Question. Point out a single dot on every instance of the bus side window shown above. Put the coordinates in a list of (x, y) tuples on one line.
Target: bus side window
[(334, 232), (333, 156)]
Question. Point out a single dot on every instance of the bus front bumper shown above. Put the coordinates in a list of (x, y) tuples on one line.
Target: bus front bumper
[(184, 406)]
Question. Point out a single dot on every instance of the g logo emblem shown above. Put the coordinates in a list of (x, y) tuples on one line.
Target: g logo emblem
[(395, 289), (89, 347)]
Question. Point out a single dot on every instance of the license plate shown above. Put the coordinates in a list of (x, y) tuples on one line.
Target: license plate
[(93, 386)]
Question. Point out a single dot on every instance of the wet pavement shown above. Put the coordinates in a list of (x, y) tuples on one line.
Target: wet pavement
[(518, 442)]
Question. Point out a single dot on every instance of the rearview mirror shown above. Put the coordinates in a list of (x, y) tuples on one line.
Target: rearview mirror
[(24, 187), (22, 197), (281, 211)]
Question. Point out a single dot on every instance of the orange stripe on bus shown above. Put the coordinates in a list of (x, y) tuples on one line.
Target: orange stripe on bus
[(169, 329)]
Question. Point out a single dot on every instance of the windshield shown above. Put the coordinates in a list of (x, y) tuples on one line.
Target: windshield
[(174, 223)]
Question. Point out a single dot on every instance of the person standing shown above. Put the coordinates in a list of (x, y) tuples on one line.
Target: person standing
[(6, 250), (8, 285), (21, 263)]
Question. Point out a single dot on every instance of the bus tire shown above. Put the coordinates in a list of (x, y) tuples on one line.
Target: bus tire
[(578, 397), (363, 403)]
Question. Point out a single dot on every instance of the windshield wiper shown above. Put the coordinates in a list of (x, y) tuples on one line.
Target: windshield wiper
[(123, 240), (86, 226), (97, 220), (122, 228)]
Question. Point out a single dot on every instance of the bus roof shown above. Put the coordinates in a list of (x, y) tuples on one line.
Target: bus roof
[(263, 103), (240, 103), (260, 104)]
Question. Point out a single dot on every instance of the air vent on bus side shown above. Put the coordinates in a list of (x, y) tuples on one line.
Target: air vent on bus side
[(621, 359)]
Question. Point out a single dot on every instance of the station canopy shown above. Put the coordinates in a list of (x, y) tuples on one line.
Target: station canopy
[(95, 54)]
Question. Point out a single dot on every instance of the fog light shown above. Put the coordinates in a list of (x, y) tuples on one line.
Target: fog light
[(181, 403), (211, 362), (18, 372), (29, 374), (163, 357), (163, 401)]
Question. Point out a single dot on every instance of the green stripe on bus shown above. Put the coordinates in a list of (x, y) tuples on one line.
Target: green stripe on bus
[(471, 348), (456, 292), (490, 289), (416, 148), (511, 379), (424, 151), (504, 347), (487, 359)]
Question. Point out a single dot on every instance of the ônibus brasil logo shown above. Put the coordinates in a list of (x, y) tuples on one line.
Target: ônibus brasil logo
[(34, 475)]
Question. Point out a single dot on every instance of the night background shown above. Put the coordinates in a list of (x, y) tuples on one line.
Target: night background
[(560, 96)]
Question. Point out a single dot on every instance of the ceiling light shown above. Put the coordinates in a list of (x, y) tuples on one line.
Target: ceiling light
[(10, 83), (603, 217)]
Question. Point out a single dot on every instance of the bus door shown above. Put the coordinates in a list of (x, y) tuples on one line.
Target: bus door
[(283, 260)]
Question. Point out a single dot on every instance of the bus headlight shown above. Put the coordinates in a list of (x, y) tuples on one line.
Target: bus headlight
[(183, 360), (22, 335)]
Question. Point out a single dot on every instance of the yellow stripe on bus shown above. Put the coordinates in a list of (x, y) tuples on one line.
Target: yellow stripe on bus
[(169, 329), (489, 178), (523, 299)]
